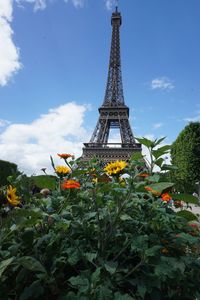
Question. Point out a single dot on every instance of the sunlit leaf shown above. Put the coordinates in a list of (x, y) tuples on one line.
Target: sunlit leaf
[(185, 197), (157, 142), (144, 141), (161, 186), (136, 156)]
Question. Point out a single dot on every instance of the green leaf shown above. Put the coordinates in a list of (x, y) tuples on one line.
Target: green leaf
[(153, 250), (142, 290), (104, 293), (188, 238), (161, 186), (31, 264), (169, 267), (119, 296), (157, 142), (81, 283), (136, 156), (33, 291), (96, 275), (163, 149), (52, 162), (111, 266), (166, 167), (4, 264), (73, 256), (27, 237), (90, 215), (90, 256), (69, 296), (145, 142), (154, 178), (185, 197), (188, 215), (140, 243), (125, 217), (159, 161), (45, 181)]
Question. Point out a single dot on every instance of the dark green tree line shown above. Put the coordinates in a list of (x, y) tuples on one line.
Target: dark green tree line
[(6, 169)]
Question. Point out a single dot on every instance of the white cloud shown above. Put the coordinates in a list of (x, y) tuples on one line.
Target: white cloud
[(110, 4), (6, 9), (4, 123), (37, 4), (59, 131), (162, 83), (78, 3), (9, 53), (42, 4), (157, 125)]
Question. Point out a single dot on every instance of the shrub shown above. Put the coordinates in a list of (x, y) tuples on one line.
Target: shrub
[(185, 155), (6, 169), (102, 237)]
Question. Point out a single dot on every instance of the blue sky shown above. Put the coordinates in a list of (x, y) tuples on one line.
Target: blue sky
[(54, 58)]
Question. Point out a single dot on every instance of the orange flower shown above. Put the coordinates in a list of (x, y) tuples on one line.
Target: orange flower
[(154, 192), (65, 155), (144, 175), (164, 250), (166, 197), (70, 184), (194, 226)]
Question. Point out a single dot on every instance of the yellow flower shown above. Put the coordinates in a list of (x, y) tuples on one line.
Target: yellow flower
[(116, 167), (95, 180), (62, 170), (122, 181), (13, 199)]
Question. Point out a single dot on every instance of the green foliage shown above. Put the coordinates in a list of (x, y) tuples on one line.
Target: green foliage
[(44, 181), (185, 154), (109, 239), (7, 169)]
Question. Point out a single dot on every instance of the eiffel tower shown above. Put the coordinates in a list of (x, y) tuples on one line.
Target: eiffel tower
[(113, 113)]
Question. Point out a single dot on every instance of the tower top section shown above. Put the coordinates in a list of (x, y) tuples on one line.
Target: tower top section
[(114, 88), (116, 18)]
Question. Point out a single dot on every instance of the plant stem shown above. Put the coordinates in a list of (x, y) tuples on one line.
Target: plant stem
[(133, 270)]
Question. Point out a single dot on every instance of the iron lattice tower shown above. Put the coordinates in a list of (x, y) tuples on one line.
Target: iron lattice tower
[(113, 113)]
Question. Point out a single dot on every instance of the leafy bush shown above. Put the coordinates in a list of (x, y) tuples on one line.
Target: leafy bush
[(102, 237), (44, 181), (6, 169), (185, 155)]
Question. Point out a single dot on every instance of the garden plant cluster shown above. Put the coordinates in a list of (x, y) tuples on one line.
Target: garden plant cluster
[(105, 232)]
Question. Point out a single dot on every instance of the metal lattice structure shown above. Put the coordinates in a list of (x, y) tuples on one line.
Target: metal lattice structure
[(113, 113)]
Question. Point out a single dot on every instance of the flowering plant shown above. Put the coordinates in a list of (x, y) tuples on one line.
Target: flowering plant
[(115, 237)]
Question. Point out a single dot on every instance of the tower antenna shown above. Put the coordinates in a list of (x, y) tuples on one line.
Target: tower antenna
[(116, 5)]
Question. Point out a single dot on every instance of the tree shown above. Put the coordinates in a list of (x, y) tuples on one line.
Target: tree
[(185, 154), (6, 169)]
